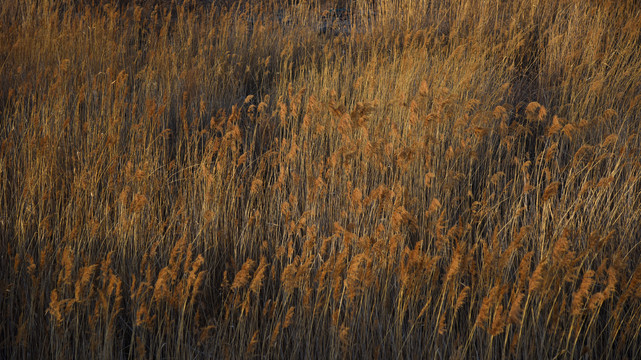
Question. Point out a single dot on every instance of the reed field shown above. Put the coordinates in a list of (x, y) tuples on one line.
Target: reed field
[(390, 179)]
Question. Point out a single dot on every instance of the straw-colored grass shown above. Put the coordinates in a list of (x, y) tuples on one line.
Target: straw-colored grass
[(317, 179)]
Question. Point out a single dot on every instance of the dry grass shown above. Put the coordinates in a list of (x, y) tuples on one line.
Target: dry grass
[(393, 179)]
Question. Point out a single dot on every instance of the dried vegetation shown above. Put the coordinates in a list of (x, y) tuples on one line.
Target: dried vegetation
[(397, 179)]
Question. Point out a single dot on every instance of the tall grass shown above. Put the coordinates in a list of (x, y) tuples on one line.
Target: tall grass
[(387, 179)]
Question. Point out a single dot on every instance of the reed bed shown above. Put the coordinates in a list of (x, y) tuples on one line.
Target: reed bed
[(317, 179)]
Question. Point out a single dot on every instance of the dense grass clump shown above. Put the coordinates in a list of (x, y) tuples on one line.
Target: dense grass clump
[(316, 179)]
